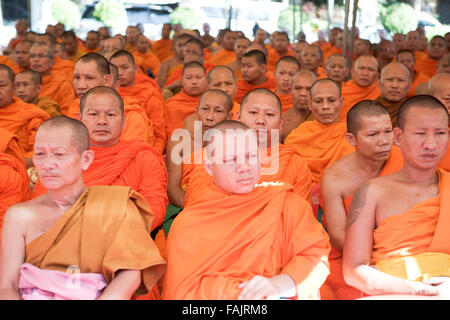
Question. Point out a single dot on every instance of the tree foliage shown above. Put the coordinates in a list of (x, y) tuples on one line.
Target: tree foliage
[(66, 12), (398, 18), (188, 17), (112, 13)]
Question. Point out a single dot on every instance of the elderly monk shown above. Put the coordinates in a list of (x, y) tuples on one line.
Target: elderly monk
[(70, 41), (93, 70), (254, 74), (406, 57), (281, 49), (311, 59), (286, 68), (76, 229), (336, 68), (183, 104), (226, 55), (321, 141), (148, 96), (18, 117), (240, 48), (22, 57), (277, 251), (301, 100), (118, 162), (151, 63), (28, 85), (369, 131), (437, 47), (362, 85), (379, 257), (54, 86), (394, 85), (163, 47)]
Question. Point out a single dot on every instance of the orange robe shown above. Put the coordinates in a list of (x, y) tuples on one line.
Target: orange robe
[(215, 245), (243, 87), (445, 161), (23, 119), (427, 66), (392, 108), (419, 78), (286, 101), (354, 93), (162, 48), (48, 105), (149, 61), (335, 280), (77, 55), (59, 89), (273, 56), (223, 57), (178, 73), (178, 108), (4, 59), (320, 144), (63, 68), (14, 184), (129, 163), (106, 230), (10, 144)]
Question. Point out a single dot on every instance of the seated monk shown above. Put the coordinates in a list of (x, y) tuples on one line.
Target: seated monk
[(10, 144), (93, 70), (151, 63), (254, 75), (262, 242), (22, 57), (54, 86), (336, 68), (391, 262), (240, 48), (163, 47), (369, 131), (385, 53), (297, 50), (92, 42), (436, 49), (286, 68), (28, 85), (281, 49), (321, 141), (394, 85), (70, 41), (406, 57), (148, 96), (311, 58), (131, 36), (362, 46), (184, 103), (301, 101), (131, 163), (362, 85), (100, 233), (226, 55), (18, 117)]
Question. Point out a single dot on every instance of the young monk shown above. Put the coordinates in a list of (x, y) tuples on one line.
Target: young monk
[(280, 50), (74, 229), (336, 68), (297, 50), (18, 117), (369, 131), (163, 47), (151, 63), (131, 36), (406, 57), (286, 68), (118, 162), (311, 59), (361, 86), (235, 263), (379, 257), (240, 48), (226, 55), (148, 96), (184, 103), (436, 49), (321, 141), (301, 100), (394, 85), (70, 41), (254, 75)]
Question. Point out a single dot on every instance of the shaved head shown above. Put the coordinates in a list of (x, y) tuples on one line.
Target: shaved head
[(365, 108), (420, 101)]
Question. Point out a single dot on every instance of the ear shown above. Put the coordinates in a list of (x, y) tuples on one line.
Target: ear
[(397, 136), (229, 116), (86, 159), (350, 138), (107, 80), (207, 164), (238, 115)]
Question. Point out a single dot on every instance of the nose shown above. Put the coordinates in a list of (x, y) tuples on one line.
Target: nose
[(430, 142)]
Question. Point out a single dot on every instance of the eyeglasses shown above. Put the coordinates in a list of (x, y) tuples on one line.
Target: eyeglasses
[(40, 55)]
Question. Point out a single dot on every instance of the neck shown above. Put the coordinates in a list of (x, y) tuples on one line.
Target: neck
[(301, 111), (282, 92), (419, 176), (259, 80), (282, 52), (95, 144), (33, 101), (65, 198), (371, 167)]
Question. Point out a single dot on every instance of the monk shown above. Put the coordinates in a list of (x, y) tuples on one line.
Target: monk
[(148, 96), (297, 50), (23, 55), (131, 35), (362, 85), (311, 59), (220, 264), (321, 141), (444, 64), (151, 63), (301, 101), (69, 39), (369, 131), (394, 85), (254, 68), (406, 57), (28, 85), (436, 49), (240, 48), (163, 47), (119, 162), (18, 117), (385, 53), (183, 104), (76, 229), (226, 55), (410, 262), (286, 68), (54, 86), (92, 42), (10, 144), (336, 68), (21, 29), (280, 50), (361, 47)]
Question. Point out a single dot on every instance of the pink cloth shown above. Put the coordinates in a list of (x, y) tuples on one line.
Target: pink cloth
[(39, 284)]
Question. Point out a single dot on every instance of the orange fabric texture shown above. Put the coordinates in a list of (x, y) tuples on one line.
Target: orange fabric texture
[(392, 108), (149, 62), (419, 78), (427, 66), (321, 145), (286, 101), (273, 56), (178, 108), (243, 87), (106, 230), (10, 144), (77, 55), (215, 245), (63, 67), (162, 48), (59, 89), (48, 105), (129, 163), (223, 57), (354, 93)]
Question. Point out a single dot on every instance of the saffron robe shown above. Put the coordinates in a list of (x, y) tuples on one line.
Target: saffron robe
[(178, 108), (392, 108), (48, 105), (243, 87), (10, 144), (419, 78), (223, 57), (150, 62), (354, 93), (58, 89), (162, 48), (427, 66)]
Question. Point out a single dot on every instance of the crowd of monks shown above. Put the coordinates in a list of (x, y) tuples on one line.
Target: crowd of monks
[(201, 167)]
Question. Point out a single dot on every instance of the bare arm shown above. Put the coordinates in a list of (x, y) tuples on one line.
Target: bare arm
[(122, 286), (175, 172), (162, 74), (259, 287)]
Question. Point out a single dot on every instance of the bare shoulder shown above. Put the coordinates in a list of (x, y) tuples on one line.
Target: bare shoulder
[(339, 172), (21, 214)]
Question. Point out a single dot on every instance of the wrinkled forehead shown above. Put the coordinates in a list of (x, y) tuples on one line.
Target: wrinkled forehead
[(231, 142)]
